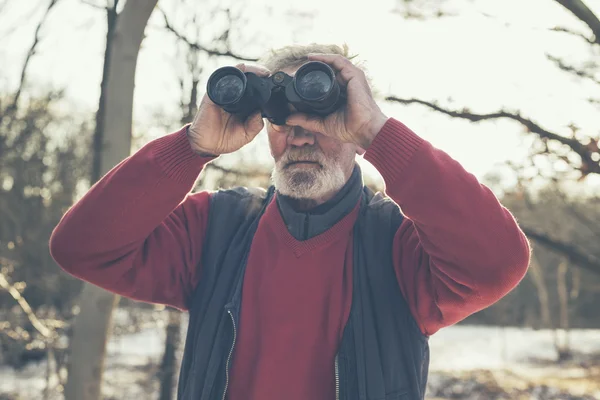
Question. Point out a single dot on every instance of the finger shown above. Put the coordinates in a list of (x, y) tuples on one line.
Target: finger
[(336, 61), (340, 64), (255, 69), (312, 123), (254, 124)]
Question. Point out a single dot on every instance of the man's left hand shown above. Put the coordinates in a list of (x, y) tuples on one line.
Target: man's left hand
[(359, 120)]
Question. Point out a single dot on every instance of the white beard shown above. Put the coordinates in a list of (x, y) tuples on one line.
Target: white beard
[(314, 183)]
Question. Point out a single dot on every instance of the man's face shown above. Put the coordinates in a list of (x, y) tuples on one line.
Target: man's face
[(308, 165)]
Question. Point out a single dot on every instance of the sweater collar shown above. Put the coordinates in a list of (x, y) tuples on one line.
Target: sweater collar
[(304, 225)]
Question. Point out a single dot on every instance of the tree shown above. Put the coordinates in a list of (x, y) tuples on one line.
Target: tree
[(579, 152), (38, 179), (554, 295), (112, 143)]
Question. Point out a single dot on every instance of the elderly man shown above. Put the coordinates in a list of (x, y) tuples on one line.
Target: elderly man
[(316, 288)]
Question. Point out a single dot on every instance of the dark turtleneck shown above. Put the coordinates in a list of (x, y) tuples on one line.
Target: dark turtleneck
[(304, 225)]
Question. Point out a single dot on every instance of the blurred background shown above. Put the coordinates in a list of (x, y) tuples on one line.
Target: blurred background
[(510, 88)]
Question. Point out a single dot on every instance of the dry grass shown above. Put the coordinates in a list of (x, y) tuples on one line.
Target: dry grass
[(581, 383)]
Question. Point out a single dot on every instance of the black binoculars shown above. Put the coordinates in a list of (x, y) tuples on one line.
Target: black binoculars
[(312, 90)]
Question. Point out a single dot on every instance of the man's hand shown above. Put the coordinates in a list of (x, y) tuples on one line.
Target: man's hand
[(214, 131), (359, 120)]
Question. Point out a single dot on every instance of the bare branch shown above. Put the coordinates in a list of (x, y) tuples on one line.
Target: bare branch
[(570, 32), (31, 53), (581, 11), (18, 23), (585, 261), (571, 69), (595, 102), (197, 46), (588, 164), (35, 322), (572, 208)]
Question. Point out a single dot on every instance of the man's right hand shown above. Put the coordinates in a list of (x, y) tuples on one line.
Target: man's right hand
[(214, 131)]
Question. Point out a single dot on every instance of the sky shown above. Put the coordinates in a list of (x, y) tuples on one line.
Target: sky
[(487, 55)]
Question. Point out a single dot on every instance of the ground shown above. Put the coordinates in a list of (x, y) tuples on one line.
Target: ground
[(467, 362)]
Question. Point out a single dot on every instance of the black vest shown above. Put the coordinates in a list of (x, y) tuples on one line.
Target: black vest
[(383, 354)]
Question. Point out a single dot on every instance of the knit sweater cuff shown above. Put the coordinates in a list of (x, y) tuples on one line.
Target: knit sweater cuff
[(392, 149), (175, 156)]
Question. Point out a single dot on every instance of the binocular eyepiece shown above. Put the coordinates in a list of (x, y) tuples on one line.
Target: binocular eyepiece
[(313, 90)]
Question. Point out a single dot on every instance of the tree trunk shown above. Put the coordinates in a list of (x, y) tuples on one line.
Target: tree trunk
[(563, 349), (98, 143), (169, 360), (92, 324), (537, 276), (167, 370)]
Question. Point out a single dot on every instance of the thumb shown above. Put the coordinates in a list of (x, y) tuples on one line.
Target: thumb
[(312, 123)]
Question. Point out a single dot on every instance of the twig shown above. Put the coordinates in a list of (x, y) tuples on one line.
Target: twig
[(573, 210), (586, 261), (197, 46), (41, 328), (17, 23), (570, 32), (30, 53), (585, 15), (588, 163), (569, 68)]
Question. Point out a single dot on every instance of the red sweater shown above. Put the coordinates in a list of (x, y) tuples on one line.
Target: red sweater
[(138, 232), (295, 303)]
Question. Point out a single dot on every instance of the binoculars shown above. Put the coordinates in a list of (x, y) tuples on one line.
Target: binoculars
[(312, 90)]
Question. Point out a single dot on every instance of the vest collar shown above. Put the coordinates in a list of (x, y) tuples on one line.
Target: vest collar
[(304, 225)]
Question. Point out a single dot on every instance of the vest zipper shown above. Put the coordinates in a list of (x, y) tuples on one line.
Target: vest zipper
[(337, 379), (305, 228), (229, 356)]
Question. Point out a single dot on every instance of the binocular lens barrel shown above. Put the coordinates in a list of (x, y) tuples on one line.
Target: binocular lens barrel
[(315, 84), (228, 89), (227, 86)]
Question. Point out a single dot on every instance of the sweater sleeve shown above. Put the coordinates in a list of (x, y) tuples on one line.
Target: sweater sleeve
[(458, 250), (138, 232)]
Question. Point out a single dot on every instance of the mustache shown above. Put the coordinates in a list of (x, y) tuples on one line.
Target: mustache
[(310, 155)]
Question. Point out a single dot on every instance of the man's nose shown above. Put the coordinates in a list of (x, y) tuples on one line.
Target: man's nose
[(301, 137)]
